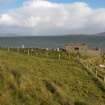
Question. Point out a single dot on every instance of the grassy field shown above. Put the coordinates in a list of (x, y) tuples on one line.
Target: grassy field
[(38, 80)]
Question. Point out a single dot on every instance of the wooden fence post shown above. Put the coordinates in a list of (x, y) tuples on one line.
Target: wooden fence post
[(8, 49), (47, 49), (58, 49), (59, 57), (28, 52)]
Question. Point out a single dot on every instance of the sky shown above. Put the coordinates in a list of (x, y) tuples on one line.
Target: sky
[(51, 17)]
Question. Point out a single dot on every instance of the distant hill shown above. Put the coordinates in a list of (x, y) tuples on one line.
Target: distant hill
[(100, 34)]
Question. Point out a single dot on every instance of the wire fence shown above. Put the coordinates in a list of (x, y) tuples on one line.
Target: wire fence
[(46, 53)]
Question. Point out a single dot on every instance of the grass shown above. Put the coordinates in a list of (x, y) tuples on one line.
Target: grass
[(39, 80)]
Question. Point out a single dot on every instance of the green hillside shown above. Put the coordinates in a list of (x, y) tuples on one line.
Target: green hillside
[(37, 80)]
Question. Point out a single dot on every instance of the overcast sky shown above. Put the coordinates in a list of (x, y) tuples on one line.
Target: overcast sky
[(53, 17)]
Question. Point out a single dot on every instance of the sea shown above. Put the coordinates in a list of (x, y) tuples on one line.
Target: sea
[(52, 41)]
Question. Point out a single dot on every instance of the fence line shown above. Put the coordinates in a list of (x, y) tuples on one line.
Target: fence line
[(54, 54), (93, 71)]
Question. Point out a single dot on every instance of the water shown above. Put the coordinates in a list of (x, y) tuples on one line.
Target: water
[(52, 41)]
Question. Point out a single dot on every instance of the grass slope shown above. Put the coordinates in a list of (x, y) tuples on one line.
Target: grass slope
[(30, 80)]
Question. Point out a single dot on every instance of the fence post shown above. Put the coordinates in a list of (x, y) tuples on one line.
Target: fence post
[(28, 52), (58, 49), (8, 49), (23, 46), (59, 56), (47, 49)]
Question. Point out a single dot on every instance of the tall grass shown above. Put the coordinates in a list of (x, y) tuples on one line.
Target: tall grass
[(45, 80)]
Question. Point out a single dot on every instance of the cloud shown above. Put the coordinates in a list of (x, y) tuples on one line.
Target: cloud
[(41, 17)]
